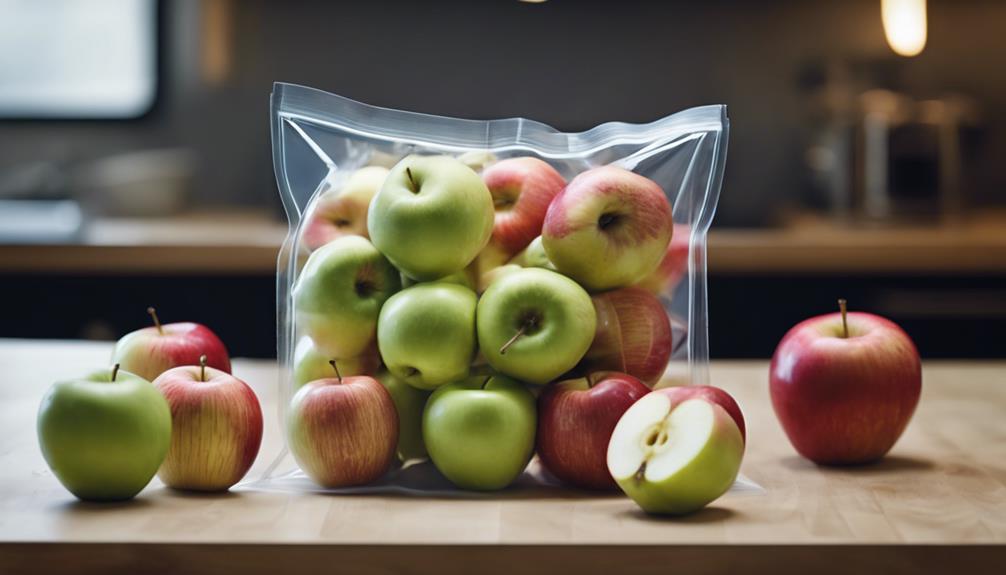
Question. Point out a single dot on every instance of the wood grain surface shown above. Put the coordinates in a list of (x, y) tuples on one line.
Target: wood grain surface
[(944, 484)]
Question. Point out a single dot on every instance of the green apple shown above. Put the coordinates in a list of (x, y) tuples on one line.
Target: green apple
[(409, 403), (426, 333), (478, 160), (309, 364), (488, 278), (339, 295), (104, 435), (534, 256), (480, 431), (535, 324), (461, 277), (431, 217), (675, 458)]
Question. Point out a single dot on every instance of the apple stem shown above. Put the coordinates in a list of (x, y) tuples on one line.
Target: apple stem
[(115, 371), (415, 188), (523, 329), (335, 366), (845, 324), (486, 382), (202, 367), (157, 322)]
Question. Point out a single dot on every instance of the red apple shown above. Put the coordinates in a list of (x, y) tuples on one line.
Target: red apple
[(711, 394), (343, 430), (151, 351), (607, 228), (343, 210), (575, 421), (633, 335), (674, 267), (216, 428), (522, 189), (844, 388)]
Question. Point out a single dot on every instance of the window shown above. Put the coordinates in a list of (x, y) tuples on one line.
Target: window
[(73, 59)]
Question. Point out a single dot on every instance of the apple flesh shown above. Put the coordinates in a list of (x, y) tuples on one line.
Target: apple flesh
[(535, 324), (431, 217), (343, 211), (426, 334), (675, 458), (151, 351), (845, 398), (608, 228), (342, 431), (216, 428), (480, 432), (712, 395), (633, 335), (575, 421), (522, 189), (104, 435), (339, 294)]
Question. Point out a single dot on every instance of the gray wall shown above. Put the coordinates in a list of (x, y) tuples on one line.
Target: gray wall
[(568, 63)]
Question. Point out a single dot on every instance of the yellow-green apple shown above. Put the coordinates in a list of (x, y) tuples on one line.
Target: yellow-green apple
[(426, 333), (431, 217), (309, 364), (409, 403), (575, 421), (711, 394), (342, 431), (535, 324), (216, 428), (151, 351), (534, 256), (675, 458), (674, 267), (339, 294), (496, 273), (480, 431), (462, 278), (608, 228), (522, 188), (485, 267), (104, 435), (633, 335), (343, 210), (845, 388), (477, 159)]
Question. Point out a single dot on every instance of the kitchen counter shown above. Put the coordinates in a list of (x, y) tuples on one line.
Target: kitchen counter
[(248, 243), (944, 484)]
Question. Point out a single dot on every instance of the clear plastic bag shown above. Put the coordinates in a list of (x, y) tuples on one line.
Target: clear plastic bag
[(320, 140)]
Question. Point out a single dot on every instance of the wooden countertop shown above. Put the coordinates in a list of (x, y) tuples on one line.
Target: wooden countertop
[(944, 484), (248, 243)]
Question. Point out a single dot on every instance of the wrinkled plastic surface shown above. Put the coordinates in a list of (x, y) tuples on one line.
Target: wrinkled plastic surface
[(319, 138)]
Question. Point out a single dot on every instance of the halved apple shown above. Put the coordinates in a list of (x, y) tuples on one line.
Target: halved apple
[(674, 458)]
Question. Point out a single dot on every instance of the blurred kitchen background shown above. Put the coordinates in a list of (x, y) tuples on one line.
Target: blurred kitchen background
[(866, 155)]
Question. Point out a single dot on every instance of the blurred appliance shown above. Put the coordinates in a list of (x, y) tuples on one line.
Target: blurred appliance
[(895, 158), (40, 221), (145, 183)]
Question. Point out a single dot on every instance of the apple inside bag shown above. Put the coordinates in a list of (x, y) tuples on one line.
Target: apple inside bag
[(455, 272)]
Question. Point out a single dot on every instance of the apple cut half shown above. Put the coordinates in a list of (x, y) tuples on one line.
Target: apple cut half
[(674, 458)]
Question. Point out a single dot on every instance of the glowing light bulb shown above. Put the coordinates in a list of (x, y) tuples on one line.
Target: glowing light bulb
[(904, 25)]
